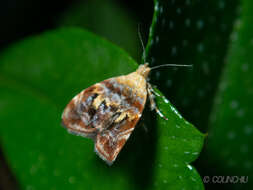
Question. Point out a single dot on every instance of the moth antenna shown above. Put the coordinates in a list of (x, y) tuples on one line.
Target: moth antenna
[(169, 65), (142, 44)]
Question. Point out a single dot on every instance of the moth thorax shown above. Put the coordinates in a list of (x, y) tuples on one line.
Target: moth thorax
[(143, 70)]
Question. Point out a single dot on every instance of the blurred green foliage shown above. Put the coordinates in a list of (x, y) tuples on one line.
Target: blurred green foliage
[(39, 76), (231, 124)]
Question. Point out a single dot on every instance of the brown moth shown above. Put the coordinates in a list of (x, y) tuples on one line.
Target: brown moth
[(108, 112)]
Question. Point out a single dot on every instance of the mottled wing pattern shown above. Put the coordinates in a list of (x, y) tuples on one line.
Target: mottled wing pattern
[(107, 112), (78, 115)]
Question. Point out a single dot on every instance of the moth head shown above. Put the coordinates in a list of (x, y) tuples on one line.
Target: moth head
[(143, 70)]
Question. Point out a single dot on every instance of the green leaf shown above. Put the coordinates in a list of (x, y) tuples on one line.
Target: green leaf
[(190, 32), (39, 76), (231, 122), (178, 144)]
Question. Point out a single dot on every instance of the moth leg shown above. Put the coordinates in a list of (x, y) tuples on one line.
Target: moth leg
[(151, 95), (152, 90)]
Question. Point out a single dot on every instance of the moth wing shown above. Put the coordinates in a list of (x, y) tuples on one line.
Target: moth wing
[(107, 112), (78, 114), (131, 102), (110, 142)]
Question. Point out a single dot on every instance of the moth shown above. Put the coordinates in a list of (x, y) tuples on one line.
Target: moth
[(108, 111)]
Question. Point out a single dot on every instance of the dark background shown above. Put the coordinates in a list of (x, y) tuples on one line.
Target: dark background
[(21, 18)]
